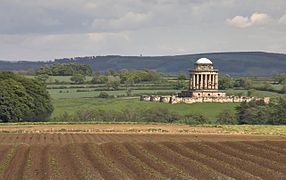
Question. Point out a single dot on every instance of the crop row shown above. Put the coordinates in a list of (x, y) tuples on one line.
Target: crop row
[(144, 160)]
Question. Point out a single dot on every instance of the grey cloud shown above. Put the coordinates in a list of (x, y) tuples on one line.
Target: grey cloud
[(46, 29)]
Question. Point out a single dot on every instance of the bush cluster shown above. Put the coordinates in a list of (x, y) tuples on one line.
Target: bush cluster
[(23, 99), (257, 112), (65, 69), (127, 77), (131, 114)]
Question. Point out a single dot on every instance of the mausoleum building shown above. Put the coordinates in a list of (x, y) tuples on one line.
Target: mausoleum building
[(203, 81), (203, 88)]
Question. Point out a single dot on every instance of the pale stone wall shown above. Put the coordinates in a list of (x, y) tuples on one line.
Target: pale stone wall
[(191, 100), (155, 98), (208, 94)]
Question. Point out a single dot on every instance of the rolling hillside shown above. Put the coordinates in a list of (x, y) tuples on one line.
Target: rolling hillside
[(233, 63)]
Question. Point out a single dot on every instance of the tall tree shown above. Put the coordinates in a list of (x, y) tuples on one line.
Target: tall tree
[(23, 99)]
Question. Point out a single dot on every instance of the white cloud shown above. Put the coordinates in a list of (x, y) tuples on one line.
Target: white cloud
[(41, 29), (282, 19), (239, 21), (254, 19), (259, 18)]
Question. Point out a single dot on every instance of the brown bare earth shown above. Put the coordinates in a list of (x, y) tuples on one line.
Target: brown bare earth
[(65, 155)]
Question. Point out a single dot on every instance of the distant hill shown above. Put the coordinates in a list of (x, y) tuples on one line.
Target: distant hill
[(233, 63)]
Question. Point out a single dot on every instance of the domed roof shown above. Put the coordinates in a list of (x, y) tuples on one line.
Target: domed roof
[(203, 61)]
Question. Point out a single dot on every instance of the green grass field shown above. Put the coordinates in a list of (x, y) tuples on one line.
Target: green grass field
[(65, 79), (72, 93), (256, 93), (67, 98), (70, 106)]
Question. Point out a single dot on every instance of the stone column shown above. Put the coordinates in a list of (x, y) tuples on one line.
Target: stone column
[(206, 81), (216, 81), (209, 81), (193, 81), (201, 81), (198, 81)]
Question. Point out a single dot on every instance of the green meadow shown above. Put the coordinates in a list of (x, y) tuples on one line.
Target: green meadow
[(72, 105), (70, 98)]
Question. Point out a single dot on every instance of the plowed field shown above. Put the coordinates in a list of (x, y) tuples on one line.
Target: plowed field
[(141, 156)]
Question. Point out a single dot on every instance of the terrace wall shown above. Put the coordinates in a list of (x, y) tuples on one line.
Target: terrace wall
[(190, 100)]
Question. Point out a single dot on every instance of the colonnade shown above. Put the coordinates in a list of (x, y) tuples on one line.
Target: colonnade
[(204, 81)]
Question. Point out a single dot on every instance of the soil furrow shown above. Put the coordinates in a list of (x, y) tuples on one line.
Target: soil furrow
[(113, 152), (237, 159), (278, 144), (273, 156), (169, 171), (3, 151), (218, 165), (263, 145), (17, 164), (85, 169), (101, 163), (192, 167)]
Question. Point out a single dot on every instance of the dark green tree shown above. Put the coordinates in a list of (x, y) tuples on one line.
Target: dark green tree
[(277, 112), (226, 82), (283, 89), (65, 69), (78, 78), (279, 78), (181, 75), (15, 102), (253, 112), (180, 84), (245, 83), (42, 77), (113, 82), (23, 99), (226, 117)]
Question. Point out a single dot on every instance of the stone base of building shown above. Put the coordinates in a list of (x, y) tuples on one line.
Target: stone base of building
[(191, 100), (202, 93)]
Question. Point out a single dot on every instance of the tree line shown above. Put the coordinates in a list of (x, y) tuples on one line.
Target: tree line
[(254, 112), (228, 82), (66, 69)]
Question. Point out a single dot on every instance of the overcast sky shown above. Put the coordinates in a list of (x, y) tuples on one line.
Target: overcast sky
[(49, 29)]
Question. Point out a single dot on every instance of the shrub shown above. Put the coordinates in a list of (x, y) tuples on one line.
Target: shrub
[(226, 117), (226, 82), (181, 75), (78, 78), (160, 115), (251, 92), (254, 112), (195, 119), (103, 95), (283, 89)]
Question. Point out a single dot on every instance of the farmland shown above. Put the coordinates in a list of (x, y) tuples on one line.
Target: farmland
[(112, 155), (68, 98)]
